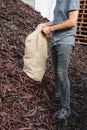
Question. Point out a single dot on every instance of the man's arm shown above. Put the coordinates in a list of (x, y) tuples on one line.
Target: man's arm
[(69, 23)]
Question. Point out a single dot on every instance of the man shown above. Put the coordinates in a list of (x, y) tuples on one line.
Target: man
[(63, 29)]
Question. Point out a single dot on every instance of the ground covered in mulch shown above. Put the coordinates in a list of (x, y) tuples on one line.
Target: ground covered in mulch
[(24, 103)]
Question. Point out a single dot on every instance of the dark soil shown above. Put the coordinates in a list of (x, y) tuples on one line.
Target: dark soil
[(24, 103)]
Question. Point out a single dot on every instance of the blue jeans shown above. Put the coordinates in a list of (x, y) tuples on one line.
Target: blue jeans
[(61, 58)]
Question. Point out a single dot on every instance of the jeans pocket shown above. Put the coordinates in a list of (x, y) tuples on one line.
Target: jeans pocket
[(64, 49)]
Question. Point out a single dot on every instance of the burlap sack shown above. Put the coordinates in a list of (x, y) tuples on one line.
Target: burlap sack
[(36, 53)]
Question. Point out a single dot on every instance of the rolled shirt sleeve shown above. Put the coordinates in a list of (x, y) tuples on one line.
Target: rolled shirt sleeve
[(73, 5)]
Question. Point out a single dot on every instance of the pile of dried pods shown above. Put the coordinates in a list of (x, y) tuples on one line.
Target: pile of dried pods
[(24, 103)]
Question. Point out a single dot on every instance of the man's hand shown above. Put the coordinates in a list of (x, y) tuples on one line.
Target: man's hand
[(42, 25), (46, 30)]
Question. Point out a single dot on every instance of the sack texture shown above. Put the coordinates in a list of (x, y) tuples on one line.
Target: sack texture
[(36, 53)]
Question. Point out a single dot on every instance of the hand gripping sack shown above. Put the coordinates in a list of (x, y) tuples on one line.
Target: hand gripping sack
[(36, 53)]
